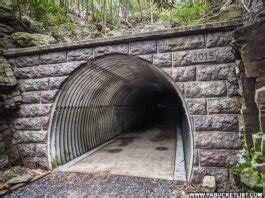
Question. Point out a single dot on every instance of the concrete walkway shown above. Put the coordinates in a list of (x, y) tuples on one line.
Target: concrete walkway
[(146, 153)]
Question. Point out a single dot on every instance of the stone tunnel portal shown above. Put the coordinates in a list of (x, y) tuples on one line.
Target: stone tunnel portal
[(121, 94)]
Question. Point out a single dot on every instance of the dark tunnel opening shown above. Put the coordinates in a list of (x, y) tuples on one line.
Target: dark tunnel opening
[(112, 95)]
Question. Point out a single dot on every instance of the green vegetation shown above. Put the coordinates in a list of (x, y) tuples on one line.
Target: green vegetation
[(70, 20), (245, 173), (185, 14)]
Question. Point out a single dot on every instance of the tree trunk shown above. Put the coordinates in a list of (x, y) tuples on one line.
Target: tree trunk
[(104, 17), (110, 10), (151, 11), (92, 10), (140, 8)]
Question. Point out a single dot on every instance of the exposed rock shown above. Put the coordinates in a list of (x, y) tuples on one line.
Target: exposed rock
[(250, 42), (24, 39), (209, 184), (154, 27), (6, 175), (21, 179)]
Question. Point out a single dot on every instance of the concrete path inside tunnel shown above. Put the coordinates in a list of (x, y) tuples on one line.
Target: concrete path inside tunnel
[(146, 153)]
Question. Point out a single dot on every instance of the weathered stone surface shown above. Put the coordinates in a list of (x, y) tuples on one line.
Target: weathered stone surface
[(26, 61), (28, 123), (143, 47), (56, 82), (218, 39), (45, 123), (218, 158), (53, 57), (25, 39), (223, 105), (209, 184), (79, 54), (48, 96), (260, 82), (181, 58), (29, 136), (205, 89), (260, 96), (232, 89), (225, 55), (182, 74), (162, 60), (26, 150), (196, 106), (6, 175), (180, 43), (41, 150), (216, 72), (249, 40), (216, 123), (218, 140), (41, 71), (34, 110), (31, 97), (36, 162), (120, 48), (34, 84), (181, 87), (168, 71), (21, 179), (220, 174), (148, 57), (184, 58), (196, 159)]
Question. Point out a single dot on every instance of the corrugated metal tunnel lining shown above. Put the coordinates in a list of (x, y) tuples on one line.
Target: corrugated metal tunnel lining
[(110, 95)]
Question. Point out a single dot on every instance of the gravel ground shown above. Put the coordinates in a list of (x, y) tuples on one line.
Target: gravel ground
[(65, 184)]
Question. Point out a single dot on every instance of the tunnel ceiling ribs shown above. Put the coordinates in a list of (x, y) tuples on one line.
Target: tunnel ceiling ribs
[(99, 101)]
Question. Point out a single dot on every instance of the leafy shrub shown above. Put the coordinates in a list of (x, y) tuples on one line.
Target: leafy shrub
[(47, 13), (186, 13)]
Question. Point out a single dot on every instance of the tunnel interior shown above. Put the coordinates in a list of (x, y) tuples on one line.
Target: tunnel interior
[(111, 95)]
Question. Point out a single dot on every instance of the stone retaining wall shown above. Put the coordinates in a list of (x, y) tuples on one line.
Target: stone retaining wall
[(210, 89)]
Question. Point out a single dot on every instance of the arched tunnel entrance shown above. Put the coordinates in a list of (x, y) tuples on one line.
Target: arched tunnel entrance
[(121, 94)]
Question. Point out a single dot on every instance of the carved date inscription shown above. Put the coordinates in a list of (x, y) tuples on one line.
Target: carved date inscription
[(203, 56)]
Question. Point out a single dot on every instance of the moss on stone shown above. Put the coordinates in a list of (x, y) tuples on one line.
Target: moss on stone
[(251, 179)]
